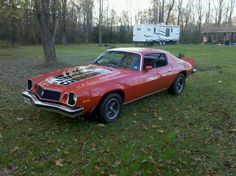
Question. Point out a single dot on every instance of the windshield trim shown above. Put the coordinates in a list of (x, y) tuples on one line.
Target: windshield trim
[(141, 58)]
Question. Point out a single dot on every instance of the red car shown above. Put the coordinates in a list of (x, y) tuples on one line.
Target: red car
[(117, 77)]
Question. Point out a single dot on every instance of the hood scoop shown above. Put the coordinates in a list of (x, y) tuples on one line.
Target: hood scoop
[(76, 74)]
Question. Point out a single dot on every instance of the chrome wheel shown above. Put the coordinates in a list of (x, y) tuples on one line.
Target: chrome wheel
[(180, 84), (112, 108)]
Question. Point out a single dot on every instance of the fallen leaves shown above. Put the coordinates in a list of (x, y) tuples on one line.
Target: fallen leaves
[(19, 119), (161, 131), (50, 141), (59, 162), (13, 151), (75, 172), (101, 125), (116, 164), (154, 126), (156, 114), (93, 147), (144, 127)]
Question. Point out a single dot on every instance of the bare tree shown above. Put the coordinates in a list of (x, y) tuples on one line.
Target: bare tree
[(46, 12), (87, 10), (170, 6), (180, 6), (231, 10), (200, 14), (208, 15), (155, 11), (161, 10), (219, 8), (64, 21), (100, 20), (187, 15)]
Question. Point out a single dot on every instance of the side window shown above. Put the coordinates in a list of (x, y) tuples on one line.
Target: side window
[(148, 29), (167, 32), (138, 29), (155, 60), (171, 30), (155, 30), (162, 60)]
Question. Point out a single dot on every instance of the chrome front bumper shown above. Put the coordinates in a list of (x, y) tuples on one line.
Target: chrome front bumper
[(71, 112)]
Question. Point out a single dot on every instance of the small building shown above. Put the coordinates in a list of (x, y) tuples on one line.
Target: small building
[(219, 35)]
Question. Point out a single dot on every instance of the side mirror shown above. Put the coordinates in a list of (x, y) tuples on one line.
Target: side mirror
[(148, 67)]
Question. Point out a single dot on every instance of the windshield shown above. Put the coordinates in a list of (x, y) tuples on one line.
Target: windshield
[(119, 59)]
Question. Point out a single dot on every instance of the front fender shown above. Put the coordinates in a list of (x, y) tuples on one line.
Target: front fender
[(90, 98)]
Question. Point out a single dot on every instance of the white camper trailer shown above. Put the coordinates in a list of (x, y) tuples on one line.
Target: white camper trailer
[(151, 33)]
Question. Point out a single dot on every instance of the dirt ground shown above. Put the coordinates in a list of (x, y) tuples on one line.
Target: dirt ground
[(16, 71)]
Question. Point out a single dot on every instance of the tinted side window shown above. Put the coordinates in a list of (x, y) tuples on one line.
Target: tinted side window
[(155, 60), (162, 60)]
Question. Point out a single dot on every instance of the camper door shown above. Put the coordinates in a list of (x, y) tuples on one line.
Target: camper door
[(148, 34)]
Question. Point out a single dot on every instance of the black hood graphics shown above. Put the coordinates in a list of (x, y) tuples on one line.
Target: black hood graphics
[(76, 74)]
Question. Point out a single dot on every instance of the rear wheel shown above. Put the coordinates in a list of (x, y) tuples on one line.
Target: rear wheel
[(110, 108), (178, 86)]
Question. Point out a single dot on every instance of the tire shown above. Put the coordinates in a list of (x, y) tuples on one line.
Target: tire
[(110, 108), (178, 85)]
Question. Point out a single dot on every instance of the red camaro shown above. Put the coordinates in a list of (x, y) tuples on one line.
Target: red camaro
[(118, 76)]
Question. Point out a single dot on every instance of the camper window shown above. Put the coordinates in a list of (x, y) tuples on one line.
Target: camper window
[(171, 30), (167, 32), (138, 29), (148, 29), (154, 30)]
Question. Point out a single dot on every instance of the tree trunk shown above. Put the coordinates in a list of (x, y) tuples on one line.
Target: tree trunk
[(64, 23), (170, 7), (13, 34), (100, 21), (43, 12), (180, 4)]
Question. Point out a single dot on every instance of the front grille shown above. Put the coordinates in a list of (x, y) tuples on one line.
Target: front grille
[(48, 94)]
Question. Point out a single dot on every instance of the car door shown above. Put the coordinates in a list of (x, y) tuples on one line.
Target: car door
[(165, 70), (160, 76)]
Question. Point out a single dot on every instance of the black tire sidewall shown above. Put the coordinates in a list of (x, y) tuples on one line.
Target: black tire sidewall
[(180, 76), (102, 109), (173, 89)]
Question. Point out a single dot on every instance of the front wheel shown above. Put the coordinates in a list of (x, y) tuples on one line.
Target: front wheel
[(178, 86), (110, 108)]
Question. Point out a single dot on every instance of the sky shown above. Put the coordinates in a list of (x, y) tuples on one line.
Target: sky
[(134, 6)]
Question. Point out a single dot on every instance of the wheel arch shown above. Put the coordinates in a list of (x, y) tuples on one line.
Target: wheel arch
[(184, 72), (120, 92)]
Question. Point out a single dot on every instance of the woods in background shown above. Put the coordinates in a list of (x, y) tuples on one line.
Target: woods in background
[(77, 21)]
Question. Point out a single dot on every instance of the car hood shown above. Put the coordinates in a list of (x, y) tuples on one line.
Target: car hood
[(82, 76)]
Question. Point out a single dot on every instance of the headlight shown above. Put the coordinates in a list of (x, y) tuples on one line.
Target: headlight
[(72, 99), (29, 85)]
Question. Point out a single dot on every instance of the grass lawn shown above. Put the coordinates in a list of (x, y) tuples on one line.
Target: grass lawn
[(191, 134)]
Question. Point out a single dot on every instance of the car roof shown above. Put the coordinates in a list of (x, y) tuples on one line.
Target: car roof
[(139, 50)]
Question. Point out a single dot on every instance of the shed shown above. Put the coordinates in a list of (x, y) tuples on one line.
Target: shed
[(223, 35)]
